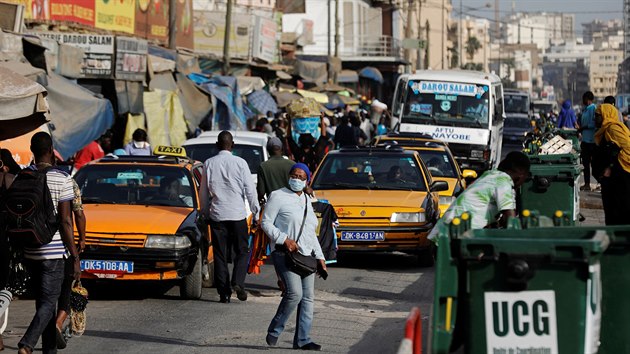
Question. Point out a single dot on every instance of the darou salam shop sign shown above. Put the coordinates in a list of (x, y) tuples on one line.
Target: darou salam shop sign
[(98, 58)]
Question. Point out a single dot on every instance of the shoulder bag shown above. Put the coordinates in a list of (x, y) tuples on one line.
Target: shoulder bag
[(296, 262)]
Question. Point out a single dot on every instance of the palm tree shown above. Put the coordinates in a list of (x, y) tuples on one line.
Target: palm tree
[(472, 46)]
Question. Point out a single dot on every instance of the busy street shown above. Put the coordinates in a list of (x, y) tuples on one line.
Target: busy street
[(344, 176)]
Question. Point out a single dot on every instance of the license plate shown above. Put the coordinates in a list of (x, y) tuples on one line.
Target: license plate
[(113, 267), (362, 236)]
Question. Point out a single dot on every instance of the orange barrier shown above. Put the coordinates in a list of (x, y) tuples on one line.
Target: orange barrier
[(412, 343)]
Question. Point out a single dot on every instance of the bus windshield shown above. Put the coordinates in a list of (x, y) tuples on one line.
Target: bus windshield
[(516, 103), (446, 103)]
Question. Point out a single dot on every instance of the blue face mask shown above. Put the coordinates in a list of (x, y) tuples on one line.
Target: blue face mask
[(296, 185)]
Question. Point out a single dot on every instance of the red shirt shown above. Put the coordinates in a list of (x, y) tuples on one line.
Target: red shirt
[(91, 152)]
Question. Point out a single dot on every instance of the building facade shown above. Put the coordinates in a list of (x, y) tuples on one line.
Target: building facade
[(603, 70), (539, 28)]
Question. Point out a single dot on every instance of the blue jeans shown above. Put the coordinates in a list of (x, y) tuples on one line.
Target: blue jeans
[(47, 277), (300, 295)]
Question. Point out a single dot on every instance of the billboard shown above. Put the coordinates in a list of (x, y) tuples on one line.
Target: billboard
[(291, 6), (184, 35), (79, 11), (115, 15), (265, 43), (131, 58), (209, 30), (151, 20), (98, 50)]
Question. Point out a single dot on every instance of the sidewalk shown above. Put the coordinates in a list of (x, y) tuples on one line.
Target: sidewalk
[(592, 208)]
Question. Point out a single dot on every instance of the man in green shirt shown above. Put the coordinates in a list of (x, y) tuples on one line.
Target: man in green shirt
[(274, 173)]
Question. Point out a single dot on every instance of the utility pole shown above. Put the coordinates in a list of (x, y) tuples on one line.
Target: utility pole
[(443, 42), (172, 24), (226, 38), (328, 66), (408, 29), (420, 50), (461, 36), (336, 28)]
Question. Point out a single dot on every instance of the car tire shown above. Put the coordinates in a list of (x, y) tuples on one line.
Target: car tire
[(191, 285), (426, 257), (210, 281)]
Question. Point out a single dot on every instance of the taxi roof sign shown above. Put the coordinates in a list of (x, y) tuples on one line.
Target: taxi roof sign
[(162, 150)]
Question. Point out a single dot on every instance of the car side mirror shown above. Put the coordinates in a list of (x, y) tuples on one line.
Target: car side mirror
[(469, 174), (439, 186)]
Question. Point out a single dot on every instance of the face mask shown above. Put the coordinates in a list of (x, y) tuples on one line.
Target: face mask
[(296, 185), (139, 144)]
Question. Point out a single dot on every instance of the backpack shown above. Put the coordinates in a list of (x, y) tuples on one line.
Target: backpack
[(30, 217)]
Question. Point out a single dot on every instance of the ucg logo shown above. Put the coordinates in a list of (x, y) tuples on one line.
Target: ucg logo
[(520, 317), (520, 321)]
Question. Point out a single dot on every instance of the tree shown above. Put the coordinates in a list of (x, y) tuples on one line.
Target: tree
[(472, 46)]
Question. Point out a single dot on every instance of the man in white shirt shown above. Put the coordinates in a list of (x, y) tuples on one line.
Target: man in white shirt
[(226, 184)]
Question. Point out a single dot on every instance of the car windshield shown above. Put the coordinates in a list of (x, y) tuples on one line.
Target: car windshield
[(142, 185), (446, 103), (512, 122), (250, 153), (377, 171), (439, 163), (516, 104)]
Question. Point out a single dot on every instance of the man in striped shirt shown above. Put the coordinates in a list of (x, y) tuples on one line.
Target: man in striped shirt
[(46, 263)]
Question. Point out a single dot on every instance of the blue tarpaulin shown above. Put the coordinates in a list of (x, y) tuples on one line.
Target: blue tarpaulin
[(77, 116), (262, 102), (372, 73), (226, 99)]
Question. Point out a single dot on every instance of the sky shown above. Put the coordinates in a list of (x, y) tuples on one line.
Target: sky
[(584, 10)]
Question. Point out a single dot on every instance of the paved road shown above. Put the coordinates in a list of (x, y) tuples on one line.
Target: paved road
[(361, 308)]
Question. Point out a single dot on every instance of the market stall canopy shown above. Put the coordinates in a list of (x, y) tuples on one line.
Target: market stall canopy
[(23, 105), (283, 75), (78, 116), (226, 101), (283, 98), (348, 77), (312, 71), (249, 84), (262, 102), (329, 87), (27, 70), (372, 73), (318, 97)]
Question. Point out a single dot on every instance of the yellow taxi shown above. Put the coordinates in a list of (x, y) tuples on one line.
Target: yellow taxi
[(385, 199), (438, 159), (144, 220)]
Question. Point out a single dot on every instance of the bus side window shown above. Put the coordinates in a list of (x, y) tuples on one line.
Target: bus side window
[(399, 97)]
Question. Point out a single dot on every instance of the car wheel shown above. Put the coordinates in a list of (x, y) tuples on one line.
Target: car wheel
[(190, 287), (426, 257), (208, 283)]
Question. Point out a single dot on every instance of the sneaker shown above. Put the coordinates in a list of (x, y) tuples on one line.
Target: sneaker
[(311, 346), (584, 187), (598, 187), (271, 340), (61, 339)]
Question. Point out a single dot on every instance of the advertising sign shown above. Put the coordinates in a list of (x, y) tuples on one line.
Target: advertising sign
[(448, 133), (184, 36), (116, 15), (99, 52), (209, 29), (264, 42), (521, 322), (151, 20), (131, 58), (79, 11)]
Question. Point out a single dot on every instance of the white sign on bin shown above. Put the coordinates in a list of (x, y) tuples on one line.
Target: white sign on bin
[(521, 322)]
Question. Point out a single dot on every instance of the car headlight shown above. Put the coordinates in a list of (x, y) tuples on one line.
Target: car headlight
[(444, 200), (167, 242), (476, 154), (408, 217)]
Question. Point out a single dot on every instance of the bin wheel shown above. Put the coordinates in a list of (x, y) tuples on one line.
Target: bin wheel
[(191, 285), (426, 257)]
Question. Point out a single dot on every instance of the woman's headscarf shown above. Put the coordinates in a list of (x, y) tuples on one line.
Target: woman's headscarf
[(615, 132), (304, 168)]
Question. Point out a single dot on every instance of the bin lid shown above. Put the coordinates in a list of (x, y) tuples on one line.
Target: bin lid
[(554, 159), (555, 169), (566, 243)]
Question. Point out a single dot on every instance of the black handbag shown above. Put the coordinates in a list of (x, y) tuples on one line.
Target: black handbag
[(296, 262)]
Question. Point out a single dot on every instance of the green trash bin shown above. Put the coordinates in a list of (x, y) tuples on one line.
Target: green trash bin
[(518, 291), (552, 187)]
